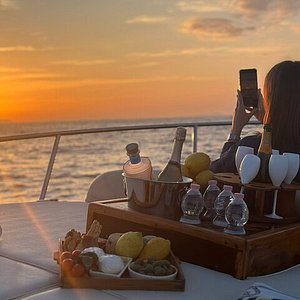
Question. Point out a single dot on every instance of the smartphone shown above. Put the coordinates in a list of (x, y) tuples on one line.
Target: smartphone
[(248, 87)]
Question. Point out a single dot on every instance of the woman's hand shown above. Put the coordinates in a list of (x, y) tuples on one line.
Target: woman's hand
[(241, 116)]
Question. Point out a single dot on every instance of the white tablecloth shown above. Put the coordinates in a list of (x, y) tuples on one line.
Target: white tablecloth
[(30, 235), (19, 279), (31, 230)]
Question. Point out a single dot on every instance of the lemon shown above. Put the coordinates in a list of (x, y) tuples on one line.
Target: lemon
[(186, 172), (157, 248), (197, 162), (130, 244), (203, 177)]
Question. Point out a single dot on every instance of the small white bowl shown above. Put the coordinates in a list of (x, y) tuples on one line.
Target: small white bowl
[(134, 274), (126, 260)]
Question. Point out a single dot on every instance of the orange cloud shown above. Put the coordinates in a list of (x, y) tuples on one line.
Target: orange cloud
[(272, 9), (199, 6), (180, 52), (17, 48), (84, 62), (213, 51), (214, 28), (8, 4), (147, 20), (14, 75), (252, 7)]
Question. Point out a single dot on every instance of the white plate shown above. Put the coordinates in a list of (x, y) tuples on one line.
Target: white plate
[(134, 274), (126, 260)]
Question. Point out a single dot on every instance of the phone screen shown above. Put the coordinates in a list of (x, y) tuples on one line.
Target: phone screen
[(248, 86)]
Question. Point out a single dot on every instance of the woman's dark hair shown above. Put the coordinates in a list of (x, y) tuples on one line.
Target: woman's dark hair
[(282, 105)]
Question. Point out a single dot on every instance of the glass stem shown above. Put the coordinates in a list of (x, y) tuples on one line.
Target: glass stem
[(275, 202)]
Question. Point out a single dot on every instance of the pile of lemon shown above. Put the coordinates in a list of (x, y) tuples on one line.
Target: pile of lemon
[(196, 167)]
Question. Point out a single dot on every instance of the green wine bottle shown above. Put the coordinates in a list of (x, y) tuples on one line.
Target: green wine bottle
[(264, 153)]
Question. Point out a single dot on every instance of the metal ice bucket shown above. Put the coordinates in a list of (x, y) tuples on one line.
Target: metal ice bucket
[(156, 197)]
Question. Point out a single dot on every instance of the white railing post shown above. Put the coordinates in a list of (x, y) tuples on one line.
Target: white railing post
[(50, 168), (195, 138)]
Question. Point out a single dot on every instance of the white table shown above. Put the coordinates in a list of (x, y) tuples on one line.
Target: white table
[(18, 279), (30, 235)]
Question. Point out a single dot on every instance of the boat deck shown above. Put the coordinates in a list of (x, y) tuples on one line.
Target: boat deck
[(30, 236)]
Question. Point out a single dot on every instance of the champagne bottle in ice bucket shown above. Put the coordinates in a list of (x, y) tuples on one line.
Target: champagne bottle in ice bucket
[(172, 170)]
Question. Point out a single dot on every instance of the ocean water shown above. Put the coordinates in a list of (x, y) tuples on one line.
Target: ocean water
[(81, 158)]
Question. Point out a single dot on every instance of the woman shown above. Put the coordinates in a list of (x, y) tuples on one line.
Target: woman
[(280, 107)]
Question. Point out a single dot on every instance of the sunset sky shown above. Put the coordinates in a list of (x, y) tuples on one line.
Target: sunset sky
[(120, 59)]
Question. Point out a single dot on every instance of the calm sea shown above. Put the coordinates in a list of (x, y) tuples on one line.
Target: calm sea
[(81, 158)]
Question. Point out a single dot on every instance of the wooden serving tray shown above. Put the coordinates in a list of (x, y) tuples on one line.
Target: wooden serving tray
[(125, 282), (266, 248)]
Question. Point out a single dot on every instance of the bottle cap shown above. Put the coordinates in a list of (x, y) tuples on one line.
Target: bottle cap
[(132, 149), (239, 195), (212, 182), (180, 133), (227, 187), (195, 186)]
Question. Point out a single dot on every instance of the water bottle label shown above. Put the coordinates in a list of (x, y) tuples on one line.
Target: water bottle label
[(192, 205)]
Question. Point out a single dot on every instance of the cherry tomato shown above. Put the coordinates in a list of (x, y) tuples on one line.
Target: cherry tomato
[(78, 270), (64, 255), (67, 265), (76, 253)]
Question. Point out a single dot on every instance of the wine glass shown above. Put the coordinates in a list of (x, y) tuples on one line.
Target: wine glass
[(278, 168), (293, 166), (240, 154), (249, 168)]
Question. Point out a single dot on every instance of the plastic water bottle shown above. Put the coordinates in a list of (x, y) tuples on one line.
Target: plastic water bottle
[(192, 205), (236, 215), (220, 205), (137, 166), (210, 195)]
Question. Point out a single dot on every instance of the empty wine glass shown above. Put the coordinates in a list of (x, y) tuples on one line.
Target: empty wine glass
[(278, 167), (293, 166), (240, 154), (248, 169)]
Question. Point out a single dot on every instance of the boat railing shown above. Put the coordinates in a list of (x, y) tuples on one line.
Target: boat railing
[(58, 134)]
